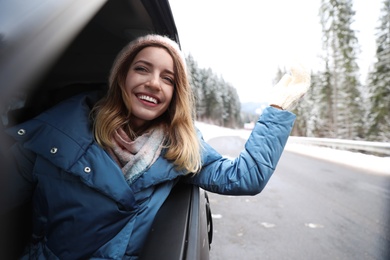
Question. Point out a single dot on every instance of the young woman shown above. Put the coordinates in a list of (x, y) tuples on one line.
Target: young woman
[(98, 170)]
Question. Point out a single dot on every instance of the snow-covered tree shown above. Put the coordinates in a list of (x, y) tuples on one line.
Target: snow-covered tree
[(195, 78), (379, 81), (232, 106), (340, 80), (217, 101)]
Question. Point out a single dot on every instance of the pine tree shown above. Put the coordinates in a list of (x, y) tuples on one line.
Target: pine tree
[(195, 79), (212, 98), (231, 106), (307, 119), (217, 101), (379, 81), (341, 86)]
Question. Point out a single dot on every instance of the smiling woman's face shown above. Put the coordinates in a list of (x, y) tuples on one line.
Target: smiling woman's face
[(150, 85)]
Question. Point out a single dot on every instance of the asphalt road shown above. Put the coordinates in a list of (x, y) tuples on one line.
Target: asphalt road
[(310, 209)]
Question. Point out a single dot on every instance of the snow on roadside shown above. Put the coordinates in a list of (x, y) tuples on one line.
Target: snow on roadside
[(358, 160), (363, 161), (212, 131)]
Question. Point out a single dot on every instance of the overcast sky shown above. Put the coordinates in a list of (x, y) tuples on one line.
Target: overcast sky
[(246, 41)]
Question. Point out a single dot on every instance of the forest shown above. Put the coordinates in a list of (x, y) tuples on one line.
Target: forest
[(338, 104)]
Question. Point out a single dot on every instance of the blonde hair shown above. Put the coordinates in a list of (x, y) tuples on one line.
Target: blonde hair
[(111, 113)]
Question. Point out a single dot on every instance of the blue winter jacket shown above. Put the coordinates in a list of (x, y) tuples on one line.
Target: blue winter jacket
[(82, 205)]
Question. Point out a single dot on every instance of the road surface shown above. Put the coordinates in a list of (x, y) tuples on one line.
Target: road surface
[(310, 209)]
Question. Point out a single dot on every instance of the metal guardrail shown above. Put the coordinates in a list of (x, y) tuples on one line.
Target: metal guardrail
[(369, 147)]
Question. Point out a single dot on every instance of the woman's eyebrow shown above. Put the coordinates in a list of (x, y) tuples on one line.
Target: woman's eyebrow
[(143, 61), (169, 71)]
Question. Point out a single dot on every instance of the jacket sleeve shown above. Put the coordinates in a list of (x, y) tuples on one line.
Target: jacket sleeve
[(251, 170)]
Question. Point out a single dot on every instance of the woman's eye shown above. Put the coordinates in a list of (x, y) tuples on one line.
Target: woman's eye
[(169, 80), (139, 68)]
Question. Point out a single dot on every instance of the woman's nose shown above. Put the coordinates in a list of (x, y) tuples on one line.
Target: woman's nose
[(154, 82)]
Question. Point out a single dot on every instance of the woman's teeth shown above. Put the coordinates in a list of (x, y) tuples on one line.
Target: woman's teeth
[(148, 98)]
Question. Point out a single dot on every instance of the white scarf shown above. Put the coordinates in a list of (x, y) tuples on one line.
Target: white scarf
[(134, 157)]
